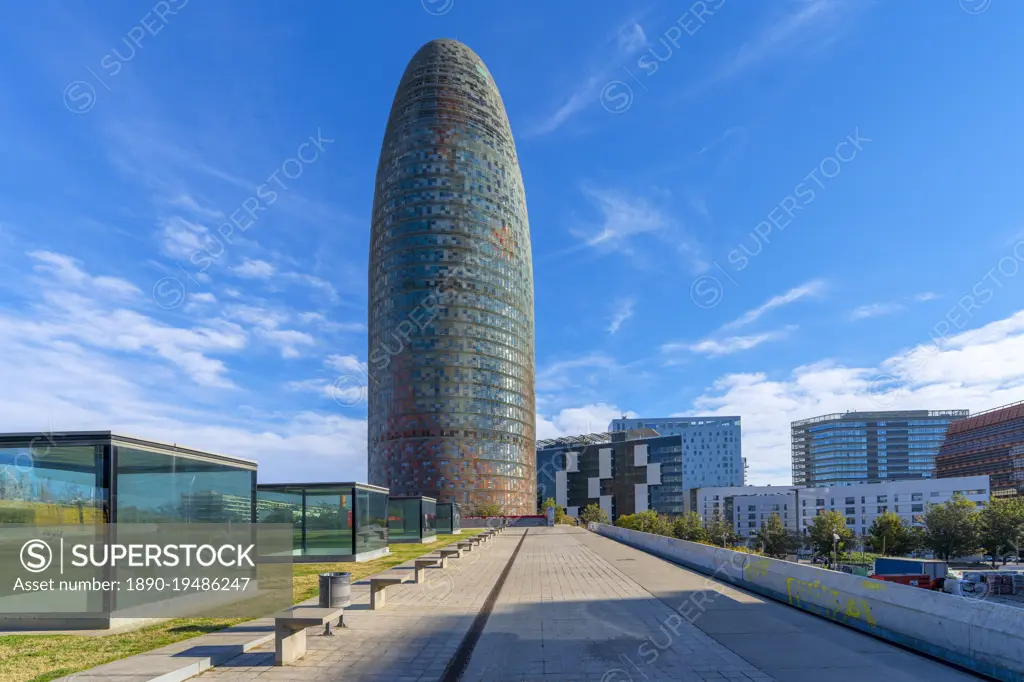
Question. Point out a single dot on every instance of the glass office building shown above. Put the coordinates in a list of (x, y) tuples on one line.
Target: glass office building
[(868, 447), (330, 521), (97, 477), (412, 519), (451, 322), (449, 518)]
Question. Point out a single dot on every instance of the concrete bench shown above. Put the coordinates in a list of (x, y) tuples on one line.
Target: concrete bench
[(449, 553), (425, 563), (467, 545), (290, 631), (378, 587)]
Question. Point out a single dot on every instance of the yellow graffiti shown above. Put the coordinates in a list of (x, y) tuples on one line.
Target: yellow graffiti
[(805, 595), (875, 585), (756, 569)]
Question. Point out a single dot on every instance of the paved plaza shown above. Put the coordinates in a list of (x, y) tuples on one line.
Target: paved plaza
[(576, 606)]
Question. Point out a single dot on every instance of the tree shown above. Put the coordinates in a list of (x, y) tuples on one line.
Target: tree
[(646, 522), (720, 530), (774, 539), (1002, 526), (690, 527), (824, 528), (952, 528), (890, 536), (559, 511), (486, 509), (593, 513)]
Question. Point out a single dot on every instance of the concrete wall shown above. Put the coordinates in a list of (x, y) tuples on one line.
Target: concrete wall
[(983, 636)]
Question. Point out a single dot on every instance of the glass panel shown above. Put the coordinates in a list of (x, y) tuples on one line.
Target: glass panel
[(404, 519), (429, 518), (372, 522), (328, 522), (444, 518), (157, 487), (282, 507), (45, 486)]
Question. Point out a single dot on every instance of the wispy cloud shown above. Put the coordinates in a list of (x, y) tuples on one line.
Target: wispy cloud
[(730, 344), (814, 24), (627, 40), (875, 310), (255, 269), (890, 307), (623, 310), (627, 217), (812, 288)]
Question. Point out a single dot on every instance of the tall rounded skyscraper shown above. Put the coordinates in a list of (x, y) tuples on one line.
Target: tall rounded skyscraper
[(451, 354)]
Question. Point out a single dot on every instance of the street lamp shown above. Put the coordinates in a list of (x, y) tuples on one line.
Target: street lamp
[(835, 551)]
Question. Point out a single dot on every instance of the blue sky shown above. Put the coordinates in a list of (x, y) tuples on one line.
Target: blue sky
[(776, 210)]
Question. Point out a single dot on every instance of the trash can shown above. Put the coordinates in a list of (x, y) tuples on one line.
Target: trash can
[(335, 590)]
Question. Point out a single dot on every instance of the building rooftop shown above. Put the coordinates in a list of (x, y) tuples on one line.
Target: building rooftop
[(996, 415), (884, 414)]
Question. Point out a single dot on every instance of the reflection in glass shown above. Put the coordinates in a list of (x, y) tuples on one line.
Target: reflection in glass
[(156, 487), (372, 522), (44, 485), (343, 520)]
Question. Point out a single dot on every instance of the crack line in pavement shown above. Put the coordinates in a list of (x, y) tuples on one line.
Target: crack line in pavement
[(456, 667)]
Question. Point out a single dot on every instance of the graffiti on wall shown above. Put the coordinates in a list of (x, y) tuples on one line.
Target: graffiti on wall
[(816, 597)]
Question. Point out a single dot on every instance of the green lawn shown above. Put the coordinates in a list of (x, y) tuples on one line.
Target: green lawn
[(38, 658)]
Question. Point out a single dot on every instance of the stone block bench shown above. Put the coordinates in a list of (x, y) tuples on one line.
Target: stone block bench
[(451, 553), (428, 562), (290, 631), (467, 545), (379, 586)]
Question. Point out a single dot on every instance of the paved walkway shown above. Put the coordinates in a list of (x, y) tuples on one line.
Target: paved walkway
[(579, 607)]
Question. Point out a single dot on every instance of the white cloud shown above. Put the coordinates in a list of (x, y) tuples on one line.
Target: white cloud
[(322, 322), (875, 310), (345, 364), (575, 421), (75, 307), (187, 202), (624, 218), (927, 296), (255, 269), (203, 297), (562, 375), (631, 38), (182, 238), (816, 23), (288, 340), (976, 370), (728, 345), (812, 288), (628, 39), (623, 311)]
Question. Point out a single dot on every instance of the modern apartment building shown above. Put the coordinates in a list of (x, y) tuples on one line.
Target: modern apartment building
[(868, 447), (750, 506), (990, 443), (712, 452), (623, 472)]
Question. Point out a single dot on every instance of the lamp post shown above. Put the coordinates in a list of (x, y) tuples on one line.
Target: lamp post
[(835, 551)]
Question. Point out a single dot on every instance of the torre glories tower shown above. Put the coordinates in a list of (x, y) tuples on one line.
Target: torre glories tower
[(451, 333)]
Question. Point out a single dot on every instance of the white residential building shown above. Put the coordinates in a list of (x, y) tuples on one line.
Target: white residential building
[(750, 506)]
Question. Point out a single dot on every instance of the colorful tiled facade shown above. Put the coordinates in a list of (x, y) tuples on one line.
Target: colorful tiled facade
[(451, 324)]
